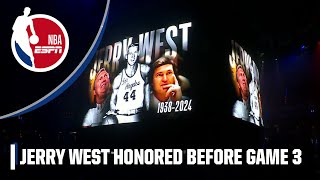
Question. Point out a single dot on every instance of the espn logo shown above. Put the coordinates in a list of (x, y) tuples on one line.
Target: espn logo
[(48, 49)]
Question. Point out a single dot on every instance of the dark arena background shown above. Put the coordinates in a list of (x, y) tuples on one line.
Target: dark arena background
[(282, 40)]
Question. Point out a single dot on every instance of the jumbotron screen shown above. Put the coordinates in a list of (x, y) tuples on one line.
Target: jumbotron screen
[(139, 76), (245, 77)]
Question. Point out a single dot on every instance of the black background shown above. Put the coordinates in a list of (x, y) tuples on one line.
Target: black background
[(274, 29)]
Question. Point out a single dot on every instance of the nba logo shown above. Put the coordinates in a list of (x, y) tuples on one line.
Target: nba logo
[(39, 42)]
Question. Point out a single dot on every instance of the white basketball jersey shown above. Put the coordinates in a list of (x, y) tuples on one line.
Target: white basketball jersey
[(131, 91), (254, 100)]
